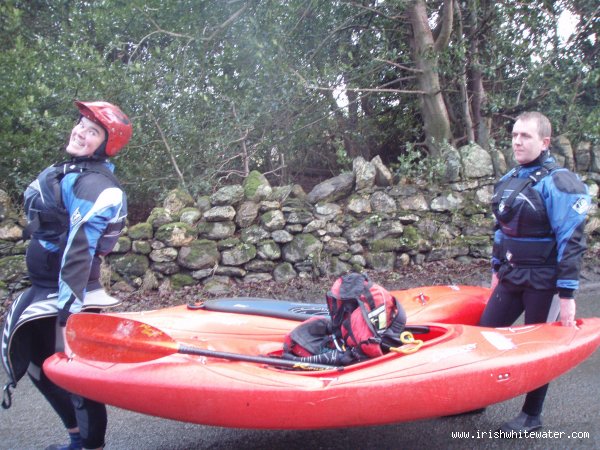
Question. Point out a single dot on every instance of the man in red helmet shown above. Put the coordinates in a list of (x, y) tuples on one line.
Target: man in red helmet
[(76, 210)]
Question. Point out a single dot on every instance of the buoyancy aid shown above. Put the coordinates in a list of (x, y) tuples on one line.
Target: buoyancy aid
[(47, 217), (521, 215)]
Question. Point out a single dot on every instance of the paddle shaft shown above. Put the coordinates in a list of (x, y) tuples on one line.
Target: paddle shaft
[(189, 350), (102, 337)]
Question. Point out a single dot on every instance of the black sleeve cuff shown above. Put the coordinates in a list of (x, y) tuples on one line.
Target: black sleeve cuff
[(566, 293)]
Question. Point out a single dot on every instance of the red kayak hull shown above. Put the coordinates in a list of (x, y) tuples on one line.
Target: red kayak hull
[(459, 368)]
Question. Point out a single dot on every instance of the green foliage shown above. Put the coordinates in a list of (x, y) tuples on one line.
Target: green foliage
[(415, 165), (217, 89)]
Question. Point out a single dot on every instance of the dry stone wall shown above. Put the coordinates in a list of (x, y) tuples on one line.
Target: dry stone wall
[(365, 219)]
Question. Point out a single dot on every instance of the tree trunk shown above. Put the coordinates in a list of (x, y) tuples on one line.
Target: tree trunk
[(478, 95), (435, 115)]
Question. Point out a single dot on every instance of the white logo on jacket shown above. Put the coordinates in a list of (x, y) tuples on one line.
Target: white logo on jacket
[(75, 217), (581, 206)]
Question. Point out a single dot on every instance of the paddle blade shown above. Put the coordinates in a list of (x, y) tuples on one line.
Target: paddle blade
[(100, 337)]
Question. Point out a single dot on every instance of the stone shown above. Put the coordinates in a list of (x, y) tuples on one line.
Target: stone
[(416, 202), (385, 245), (356, 249), (332, 189), (9, 231), (219, 214), (476, 162), (260, 265), (199, 254), (216, 230), (561, 146), (364, 173), (315, 226), (358, 260), (257, 187), (583, 157), (333, 229), (284, 272), (129, 265), (123, 245), (327, 211), (203, 273), (359, 205), (255, 277), (254, 235), (164, 254), (203, 203), (333, 266), (269, 205), (12, 268), (381, 202), (298, 217), (142, 230), (595, 154), (181, 280), (281, 236), (453, 164), (336, 246), (238, 255), (448, 202), (294, 228), (381, 262), (190, 215), (387, 228), (228, 243), (302, 247), (166, 267), (229, 271), (141, 247), (246, 214), (176, 234), (383, 175), (269, 250), (484, 195), (176, 200), (227, 195), (158, 217), (281, 193), (273, 220)]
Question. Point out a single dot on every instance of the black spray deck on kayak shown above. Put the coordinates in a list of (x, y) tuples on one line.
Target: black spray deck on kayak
[(283, 309)]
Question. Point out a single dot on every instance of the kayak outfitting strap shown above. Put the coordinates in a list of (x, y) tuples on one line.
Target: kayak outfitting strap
[(7, 395), (407, 338)]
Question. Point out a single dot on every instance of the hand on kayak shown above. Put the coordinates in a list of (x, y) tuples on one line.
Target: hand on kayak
[(567, 312)]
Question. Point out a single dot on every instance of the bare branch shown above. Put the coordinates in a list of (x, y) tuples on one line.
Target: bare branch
[(169, 151)]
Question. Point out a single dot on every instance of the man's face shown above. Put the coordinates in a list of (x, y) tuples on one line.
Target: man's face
[(85, 139), (527, 144)]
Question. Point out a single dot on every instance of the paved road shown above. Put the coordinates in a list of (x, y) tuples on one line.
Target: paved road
[(572, 407)]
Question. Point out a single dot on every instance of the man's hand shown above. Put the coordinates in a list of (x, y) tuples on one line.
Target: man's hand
[(567, 312)]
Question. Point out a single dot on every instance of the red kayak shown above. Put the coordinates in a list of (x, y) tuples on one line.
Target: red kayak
[(188, 365)]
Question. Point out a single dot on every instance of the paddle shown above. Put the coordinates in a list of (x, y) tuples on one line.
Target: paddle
[(100, 337)]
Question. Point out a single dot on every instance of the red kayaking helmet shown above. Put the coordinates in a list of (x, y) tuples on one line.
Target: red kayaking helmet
[(112, 119)]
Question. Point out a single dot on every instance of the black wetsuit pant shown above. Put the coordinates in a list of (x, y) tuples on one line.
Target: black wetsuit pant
[(506, 304), (74, 410)]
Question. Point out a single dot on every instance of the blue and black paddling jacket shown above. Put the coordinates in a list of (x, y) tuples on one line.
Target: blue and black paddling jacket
[(539, 242), (76, 211)]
